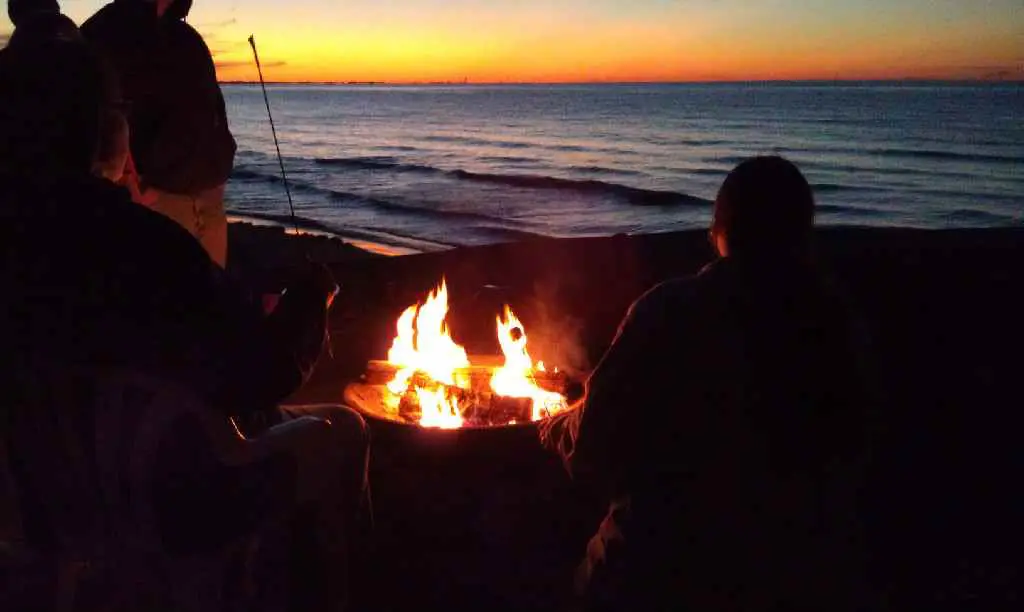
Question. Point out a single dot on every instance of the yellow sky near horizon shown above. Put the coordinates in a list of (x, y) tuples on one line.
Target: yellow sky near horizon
[(609, 40)]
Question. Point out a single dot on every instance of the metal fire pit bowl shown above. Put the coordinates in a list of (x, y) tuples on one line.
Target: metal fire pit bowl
[(464, 512), (366, 396)]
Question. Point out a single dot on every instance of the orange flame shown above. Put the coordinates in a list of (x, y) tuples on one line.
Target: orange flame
[(516, 377), (424, 345)]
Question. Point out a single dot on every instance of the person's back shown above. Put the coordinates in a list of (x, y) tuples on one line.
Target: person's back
[(182, 147), (726, 423)]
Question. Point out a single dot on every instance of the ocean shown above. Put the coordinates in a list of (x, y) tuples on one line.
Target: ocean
[(431, 167)]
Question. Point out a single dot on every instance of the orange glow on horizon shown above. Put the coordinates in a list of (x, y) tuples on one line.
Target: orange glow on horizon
[(576, 55), (417, 41)]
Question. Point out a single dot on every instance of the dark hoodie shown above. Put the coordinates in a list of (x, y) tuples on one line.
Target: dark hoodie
[(90, 278), (21, 11), (179, 131), (728, 423)]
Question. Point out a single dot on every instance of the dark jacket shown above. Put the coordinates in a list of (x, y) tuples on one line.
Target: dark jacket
[(180, 139), (90, 277), (728, 424)]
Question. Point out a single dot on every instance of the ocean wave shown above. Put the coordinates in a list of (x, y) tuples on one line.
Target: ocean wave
[(690, 142), (933, 154), (476, 142), (898, 152), (344, 197), (854, 211), (633, 195), (603, 170), (382, 162), (708, 171), (295, 185), (971, 215), (938, 173), (401, 148), (509, 159), (843, 188), (412, 209)]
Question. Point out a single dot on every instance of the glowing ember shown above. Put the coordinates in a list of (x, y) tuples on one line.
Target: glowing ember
[(434, 373)]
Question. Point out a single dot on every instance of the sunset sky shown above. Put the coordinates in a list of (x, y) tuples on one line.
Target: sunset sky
[(608, 40)]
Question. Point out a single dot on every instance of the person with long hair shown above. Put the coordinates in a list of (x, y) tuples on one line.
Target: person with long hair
[(728, 424)]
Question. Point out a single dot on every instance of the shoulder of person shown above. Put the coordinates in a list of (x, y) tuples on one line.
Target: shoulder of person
[(183, 32), (122, 31), (150, 231), (667, 297), (111, 16)]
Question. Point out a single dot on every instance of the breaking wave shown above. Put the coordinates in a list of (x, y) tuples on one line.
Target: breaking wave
[(632, 195)]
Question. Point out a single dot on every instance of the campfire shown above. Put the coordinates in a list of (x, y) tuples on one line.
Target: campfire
[(428, 379)]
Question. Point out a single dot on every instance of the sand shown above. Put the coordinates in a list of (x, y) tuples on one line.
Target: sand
[(945, 311)]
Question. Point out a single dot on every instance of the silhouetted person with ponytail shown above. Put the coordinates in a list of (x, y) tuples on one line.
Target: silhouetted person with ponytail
[(727, 424)]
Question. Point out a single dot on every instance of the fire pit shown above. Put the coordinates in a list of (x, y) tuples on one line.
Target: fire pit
[(429, 380), (455, 445)]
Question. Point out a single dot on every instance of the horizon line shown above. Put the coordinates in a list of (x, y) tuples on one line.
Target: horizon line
[(909, 79)]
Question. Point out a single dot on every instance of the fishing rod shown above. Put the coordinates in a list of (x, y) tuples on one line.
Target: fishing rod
[(273, 130), (284, 175)]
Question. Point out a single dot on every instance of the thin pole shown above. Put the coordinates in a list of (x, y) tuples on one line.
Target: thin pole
[(273, 130)]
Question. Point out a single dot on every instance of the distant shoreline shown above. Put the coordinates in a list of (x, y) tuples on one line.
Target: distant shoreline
[(779, 82)]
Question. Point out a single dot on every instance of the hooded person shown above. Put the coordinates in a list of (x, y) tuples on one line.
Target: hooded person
[(39, 20), (733, 488), (182, 148), (21, 11)]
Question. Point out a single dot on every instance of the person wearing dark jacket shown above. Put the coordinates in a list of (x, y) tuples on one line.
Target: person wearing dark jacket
[(728, 425), (20, 11), (93, 280), (182, 147), (36, 19)]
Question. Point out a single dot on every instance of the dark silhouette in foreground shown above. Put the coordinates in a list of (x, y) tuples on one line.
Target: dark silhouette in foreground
[(728, 424), (39, 19), (182, 148), (115, 320)]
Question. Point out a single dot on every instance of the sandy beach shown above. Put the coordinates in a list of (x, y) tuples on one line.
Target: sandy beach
[(943, 309)]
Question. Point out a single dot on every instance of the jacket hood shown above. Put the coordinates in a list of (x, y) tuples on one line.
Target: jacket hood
[(178, 9), (20, 11)]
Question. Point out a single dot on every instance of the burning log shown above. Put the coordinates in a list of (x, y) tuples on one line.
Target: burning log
[(379, 372), (478, 409), (429, 379), (490, 409)]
